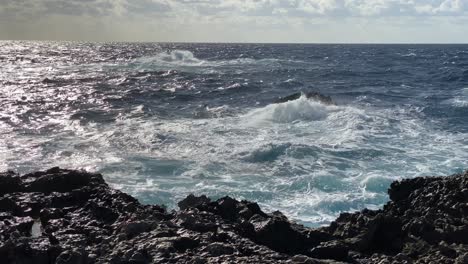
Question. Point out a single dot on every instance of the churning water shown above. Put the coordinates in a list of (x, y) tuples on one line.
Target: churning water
[(161, 121)]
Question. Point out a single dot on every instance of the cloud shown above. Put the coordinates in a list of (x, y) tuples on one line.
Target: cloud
[(344, 8), (144, 7), (447, 7), (227, 19)]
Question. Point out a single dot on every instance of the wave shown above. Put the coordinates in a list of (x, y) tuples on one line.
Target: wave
[(460, 100), (208, 135), (176, 57), (302, 109), (311, 165), (186, 59), (267, 153), (411, 54)]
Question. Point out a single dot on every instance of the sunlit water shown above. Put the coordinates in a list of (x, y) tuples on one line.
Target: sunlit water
[(161, 121)]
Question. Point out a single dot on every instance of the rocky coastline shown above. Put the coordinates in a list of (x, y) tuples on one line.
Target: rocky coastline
[(69, 216)]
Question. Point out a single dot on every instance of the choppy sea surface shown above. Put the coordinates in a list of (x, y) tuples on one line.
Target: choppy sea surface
[(161, 121)]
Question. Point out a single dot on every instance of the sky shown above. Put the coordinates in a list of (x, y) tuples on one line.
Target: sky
[(271, 21)]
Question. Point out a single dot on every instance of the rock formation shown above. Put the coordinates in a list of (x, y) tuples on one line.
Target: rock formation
[(67, 216), (309, 95)]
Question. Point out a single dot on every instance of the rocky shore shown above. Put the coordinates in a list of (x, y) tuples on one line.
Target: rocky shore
[(67, 216)]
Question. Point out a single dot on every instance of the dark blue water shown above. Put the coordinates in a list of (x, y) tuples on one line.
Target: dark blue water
[(164, 120)]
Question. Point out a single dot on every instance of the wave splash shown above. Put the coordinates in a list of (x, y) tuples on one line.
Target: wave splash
[(307, 158), (110, 112), (176, 57), (186, 59), (302, 109)]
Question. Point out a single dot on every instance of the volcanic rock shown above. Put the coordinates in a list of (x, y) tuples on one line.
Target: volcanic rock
[(309, 95), (68, 216)]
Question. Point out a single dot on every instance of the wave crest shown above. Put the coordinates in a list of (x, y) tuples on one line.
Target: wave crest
[(180, 56), (186, 59), (302, 109), (175, 57)]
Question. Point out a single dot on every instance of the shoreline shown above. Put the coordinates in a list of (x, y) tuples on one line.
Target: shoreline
[(69, 216)]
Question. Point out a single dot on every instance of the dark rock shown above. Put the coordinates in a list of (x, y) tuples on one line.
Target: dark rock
[(71, 257), (304, 260), (9, 183), (79, 219), (400, 190), (309, 95), (218, 249), (51, 213), (277, 233), (102, 213), (462, 259), (140, 257), (184, 243), (133, 229), (193, 201), (384, 234), (7, 204), (193, 221), (56, 180), (227, 208), (336, 250)]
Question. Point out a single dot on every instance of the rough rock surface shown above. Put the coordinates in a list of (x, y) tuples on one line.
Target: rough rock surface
[(66, 216), (309, 95)]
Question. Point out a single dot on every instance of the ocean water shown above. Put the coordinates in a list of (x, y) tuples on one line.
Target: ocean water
[(161, 121)]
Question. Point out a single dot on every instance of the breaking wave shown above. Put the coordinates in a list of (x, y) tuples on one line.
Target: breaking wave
[(198, 118)]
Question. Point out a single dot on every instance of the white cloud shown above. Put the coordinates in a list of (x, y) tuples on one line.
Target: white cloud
[(317, 6), (368, 7), (205, 20)]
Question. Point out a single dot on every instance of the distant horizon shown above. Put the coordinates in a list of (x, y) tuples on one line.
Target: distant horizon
[(220, 42)]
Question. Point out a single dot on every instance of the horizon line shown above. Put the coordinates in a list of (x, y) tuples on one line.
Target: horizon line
[(247, 42)]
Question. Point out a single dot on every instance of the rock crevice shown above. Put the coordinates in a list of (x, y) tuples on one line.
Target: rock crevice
[(68, 216)]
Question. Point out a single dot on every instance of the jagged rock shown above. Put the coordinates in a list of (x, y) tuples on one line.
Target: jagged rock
[(132, 229), (302, 259), (218, 249), (196, 222), (400, 190), (78, 218), (193, 201), (9, 182), (384, 233), (57, 180), (183, 243), (71, 257), (227, 208), (336, 250), (309, 95), (462, 259), (277, 233)]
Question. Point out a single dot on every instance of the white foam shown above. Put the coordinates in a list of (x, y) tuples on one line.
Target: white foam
[(460, 99), (291, 111), (186, 61), (411, 54), (303, 157), (175, 57), (460, 102)]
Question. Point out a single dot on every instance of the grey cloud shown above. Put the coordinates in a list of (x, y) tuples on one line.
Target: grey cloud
[(146, 7), (201, 20), (288, 8), (30, 9), (330, 8), (78, 7)]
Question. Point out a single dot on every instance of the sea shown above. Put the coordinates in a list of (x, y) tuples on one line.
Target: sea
[(164, 120)]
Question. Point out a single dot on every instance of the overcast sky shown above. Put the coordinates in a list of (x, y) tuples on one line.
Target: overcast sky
[(344, 21)]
